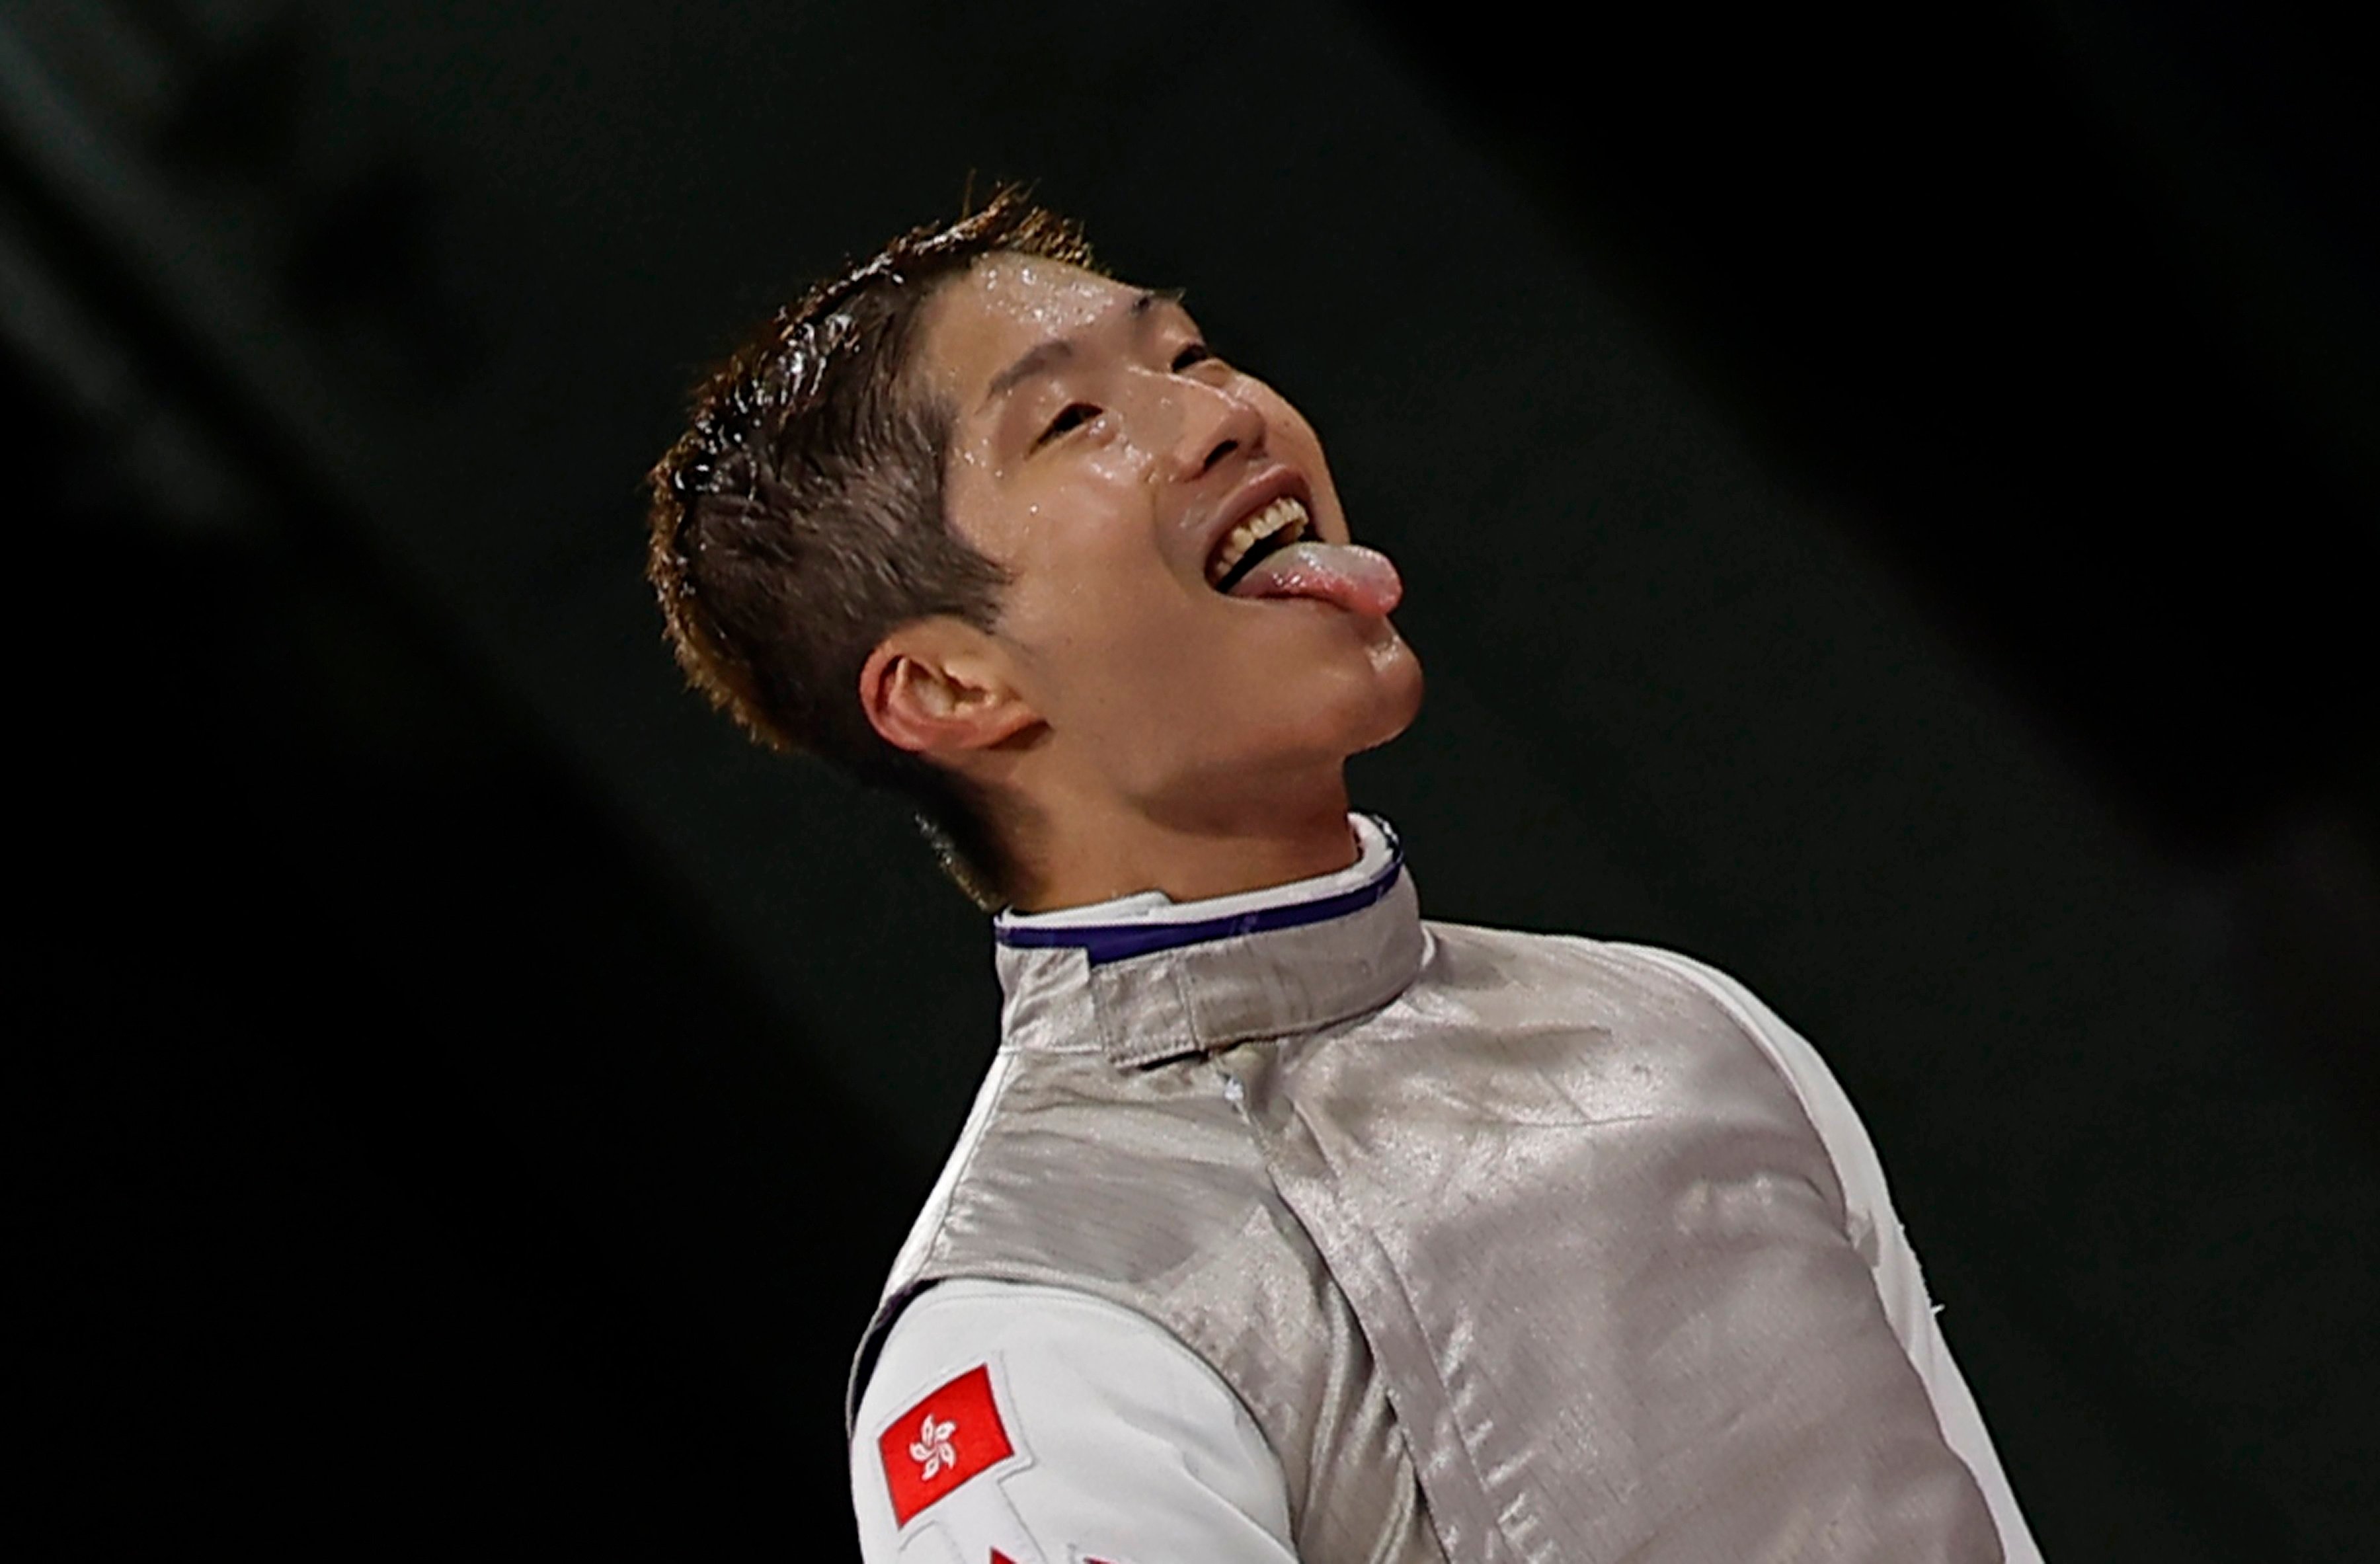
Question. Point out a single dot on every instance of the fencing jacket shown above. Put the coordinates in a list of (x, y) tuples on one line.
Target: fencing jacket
[(1291, 1226)]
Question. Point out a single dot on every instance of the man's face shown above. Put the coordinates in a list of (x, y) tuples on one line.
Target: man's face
[(1114, 465)]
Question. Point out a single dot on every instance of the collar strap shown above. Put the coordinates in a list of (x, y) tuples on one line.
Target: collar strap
[(1104, 943)]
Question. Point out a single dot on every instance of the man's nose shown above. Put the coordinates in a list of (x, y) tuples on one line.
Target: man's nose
[(1215, 425)]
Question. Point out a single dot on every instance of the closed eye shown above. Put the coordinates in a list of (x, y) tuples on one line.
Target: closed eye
[(1072, 416)]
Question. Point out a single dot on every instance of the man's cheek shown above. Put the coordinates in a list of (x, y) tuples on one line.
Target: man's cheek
[(1282, 414)]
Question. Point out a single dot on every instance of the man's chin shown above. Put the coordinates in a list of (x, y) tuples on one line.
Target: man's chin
[(1398, 686)]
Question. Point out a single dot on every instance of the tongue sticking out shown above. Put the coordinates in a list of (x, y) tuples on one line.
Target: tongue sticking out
[(1358, 579)]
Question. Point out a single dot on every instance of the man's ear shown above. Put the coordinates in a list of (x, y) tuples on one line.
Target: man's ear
[(939, 687)]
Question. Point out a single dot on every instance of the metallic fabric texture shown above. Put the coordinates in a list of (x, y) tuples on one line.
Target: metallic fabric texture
[(1516, 1247)]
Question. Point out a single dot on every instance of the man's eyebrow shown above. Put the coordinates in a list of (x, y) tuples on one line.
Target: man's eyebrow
[(1034, 361), (1042, 358)]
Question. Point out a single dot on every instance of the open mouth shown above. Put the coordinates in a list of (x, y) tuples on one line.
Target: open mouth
[(1268, 531)]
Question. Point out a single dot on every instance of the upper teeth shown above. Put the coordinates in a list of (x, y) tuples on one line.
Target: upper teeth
[(1282, 513)]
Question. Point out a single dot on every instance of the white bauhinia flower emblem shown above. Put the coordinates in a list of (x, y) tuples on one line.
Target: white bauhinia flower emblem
[(932, 1448)]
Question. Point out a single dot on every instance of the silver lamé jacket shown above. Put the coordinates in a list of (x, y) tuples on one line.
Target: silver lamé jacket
[(1516, 1247)]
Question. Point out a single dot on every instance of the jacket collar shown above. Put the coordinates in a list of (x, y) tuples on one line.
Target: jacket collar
[(1147, 979)]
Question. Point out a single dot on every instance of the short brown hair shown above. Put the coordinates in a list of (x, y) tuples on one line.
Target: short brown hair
[(800, 520)]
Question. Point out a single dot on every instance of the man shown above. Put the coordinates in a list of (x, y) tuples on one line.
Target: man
[(1286, 1225)]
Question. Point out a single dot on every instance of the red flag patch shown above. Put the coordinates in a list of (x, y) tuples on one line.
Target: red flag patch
[(951, 1435)]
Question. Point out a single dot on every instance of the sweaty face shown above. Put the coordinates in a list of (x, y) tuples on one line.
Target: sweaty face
[(1185, 611)]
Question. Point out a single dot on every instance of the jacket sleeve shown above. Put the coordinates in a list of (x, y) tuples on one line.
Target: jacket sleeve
[(1876, 1233), (1038, 1424)]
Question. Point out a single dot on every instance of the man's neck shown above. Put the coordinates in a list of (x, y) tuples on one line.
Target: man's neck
[(1099, 854)]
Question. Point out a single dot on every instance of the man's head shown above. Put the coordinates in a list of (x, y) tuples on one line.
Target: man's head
[(956, 520)]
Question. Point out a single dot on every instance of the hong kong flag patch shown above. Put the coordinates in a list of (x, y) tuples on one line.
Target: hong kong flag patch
[(954, 1434)]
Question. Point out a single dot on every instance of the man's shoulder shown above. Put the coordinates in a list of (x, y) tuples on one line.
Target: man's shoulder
[(1506, 978), (1552, 944), (1478, 951), (1074, 1175)]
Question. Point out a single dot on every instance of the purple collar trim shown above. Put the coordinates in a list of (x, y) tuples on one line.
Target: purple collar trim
[(1121, 941)]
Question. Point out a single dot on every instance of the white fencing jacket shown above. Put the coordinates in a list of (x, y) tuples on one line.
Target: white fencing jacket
[(1288, 1226)]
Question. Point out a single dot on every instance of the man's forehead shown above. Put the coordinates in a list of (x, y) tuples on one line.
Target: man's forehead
[(1006, 305), (1027, 288)]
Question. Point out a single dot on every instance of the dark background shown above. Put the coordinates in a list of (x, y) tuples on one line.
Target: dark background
[(1887, 498)]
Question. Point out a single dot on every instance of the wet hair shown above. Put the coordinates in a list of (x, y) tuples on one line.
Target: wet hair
[(800, 520)]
